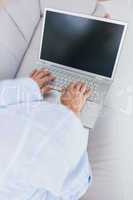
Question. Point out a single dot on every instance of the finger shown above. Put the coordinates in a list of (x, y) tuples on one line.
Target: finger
[(107, 16), (42, 74), (46, 89), (71, 86), (78, 85), (63, 90), (39, 71), (48, 78), (33, 72), (44, 69), (88, 93), (83, 88)]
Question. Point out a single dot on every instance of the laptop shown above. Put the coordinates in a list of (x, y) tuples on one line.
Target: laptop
[(81, 47)]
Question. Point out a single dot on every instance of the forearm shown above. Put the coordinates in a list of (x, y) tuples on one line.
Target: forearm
[(19, 91)]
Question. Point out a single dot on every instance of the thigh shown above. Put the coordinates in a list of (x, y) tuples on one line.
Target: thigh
[(13, 191)]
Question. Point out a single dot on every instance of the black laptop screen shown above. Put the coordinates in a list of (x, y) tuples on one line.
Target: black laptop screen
[(87, 44)]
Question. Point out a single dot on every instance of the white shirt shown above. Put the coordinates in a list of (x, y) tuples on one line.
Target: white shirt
[(43, 146)]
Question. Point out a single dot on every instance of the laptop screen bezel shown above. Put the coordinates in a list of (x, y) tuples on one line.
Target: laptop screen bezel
[(47, 62)]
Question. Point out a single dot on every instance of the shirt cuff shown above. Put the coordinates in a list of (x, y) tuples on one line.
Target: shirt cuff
[(21, 90)]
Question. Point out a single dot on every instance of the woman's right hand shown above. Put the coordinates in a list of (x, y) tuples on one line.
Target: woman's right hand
[(43, 77), (75, 95)]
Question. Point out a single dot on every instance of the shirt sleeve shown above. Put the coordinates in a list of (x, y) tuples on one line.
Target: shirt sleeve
[(60, 151), (51, 146), (19, 91)]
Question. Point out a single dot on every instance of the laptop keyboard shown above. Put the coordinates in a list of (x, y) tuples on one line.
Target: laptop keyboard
[(64, 78)]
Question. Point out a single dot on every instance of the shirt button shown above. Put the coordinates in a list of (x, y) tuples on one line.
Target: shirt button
[(89, 178)]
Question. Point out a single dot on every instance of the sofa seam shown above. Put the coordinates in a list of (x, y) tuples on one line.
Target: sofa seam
[(93, 13), (41, 15), (29, 43), (22, 34)]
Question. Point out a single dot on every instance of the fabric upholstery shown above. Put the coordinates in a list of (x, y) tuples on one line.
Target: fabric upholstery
[(109, 155), (12, 46), (18, 20), (87, 6), (32, 55), (26, 15)]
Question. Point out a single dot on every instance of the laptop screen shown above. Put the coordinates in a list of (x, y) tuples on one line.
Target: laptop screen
[(78, 42)]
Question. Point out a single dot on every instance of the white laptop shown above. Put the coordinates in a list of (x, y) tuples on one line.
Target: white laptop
[(81, 47)]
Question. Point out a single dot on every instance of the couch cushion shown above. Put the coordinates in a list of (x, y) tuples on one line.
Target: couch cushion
[(26, 15), (109, 155), (12, 46), (18, 20), (83, 6), (31, 57)]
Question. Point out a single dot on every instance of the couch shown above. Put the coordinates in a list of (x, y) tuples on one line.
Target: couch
[(20, 31)]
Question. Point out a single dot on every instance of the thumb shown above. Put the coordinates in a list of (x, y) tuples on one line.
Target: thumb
[(46, 89)]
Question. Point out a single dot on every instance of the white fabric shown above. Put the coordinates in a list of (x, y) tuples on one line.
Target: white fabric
[(18, 91), (84, 6), (43, 156)]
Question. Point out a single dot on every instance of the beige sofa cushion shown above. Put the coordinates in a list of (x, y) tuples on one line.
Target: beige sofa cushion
[(18, 20), (32, 55), (83, 6), (26, 15), (12, 46)]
